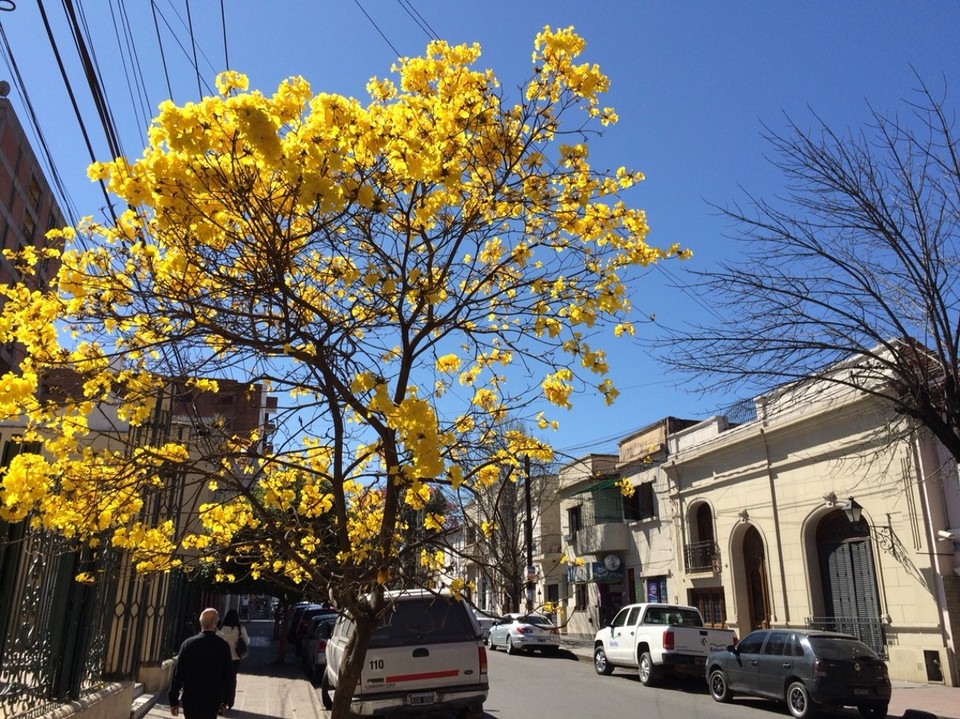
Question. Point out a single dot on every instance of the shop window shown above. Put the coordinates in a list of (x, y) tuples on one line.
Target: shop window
[(657, 589)]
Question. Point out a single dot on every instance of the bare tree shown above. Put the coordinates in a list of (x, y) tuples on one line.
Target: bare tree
[(856, 263)]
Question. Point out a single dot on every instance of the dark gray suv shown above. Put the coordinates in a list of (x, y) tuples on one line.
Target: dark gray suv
[(806, 669)]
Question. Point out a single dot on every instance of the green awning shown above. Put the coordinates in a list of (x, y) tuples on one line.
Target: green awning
[(603, 484)]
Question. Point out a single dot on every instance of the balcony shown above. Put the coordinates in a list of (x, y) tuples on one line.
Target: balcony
[(547, 548), (603, 538), (701, 557)]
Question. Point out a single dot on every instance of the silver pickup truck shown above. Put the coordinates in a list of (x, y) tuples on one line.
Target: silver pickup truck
[(656, 639)]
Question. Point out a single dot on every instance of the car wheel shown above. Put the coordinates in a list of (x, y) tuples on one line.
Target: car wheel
[(490, 645), (799, 703), (648, 672), (600, 662), (873, 711), (510, 647), (325, 697), (719, 689)]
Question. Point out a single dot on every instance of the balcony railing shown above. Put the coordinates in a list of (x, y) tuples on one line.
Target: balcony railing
[(867, 630), (701, 556)]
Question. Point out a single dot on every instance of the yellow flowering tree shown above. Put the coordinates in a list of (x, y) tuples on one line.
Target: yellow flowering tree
[(404, 272)]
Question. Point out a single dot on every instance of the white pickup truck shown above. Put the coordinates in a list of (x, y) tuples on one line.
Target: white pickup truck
[(657, 639)]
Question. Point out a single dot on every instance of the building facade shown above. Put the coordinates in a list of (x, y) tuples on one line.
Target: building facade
[(823, 510)]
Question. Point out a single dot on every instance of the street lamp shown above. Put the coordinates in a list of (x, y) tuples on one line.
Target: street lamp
[(853, 509)]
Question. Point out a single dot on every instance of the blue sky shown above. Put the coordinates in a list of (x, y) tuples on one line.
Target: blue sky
[(692, 82)]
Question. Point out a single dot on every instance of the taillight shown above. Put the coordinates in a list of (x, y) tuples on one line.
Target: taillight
[(483, 661), (555, 631), (819, 668), (668, 640), (321, 645), (524, 630)]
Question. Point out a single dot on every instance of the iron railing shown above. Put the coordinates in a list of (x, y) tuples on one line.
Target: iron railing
[(867, 630), (701, 556)]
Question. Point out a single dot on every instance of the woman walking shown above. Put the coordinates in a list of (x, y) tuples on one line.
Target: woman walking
[(238, 639)]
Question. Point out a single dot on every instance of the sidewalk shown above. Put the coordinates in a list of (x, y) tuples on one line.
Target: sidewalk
[(940, 701), (264, 688)]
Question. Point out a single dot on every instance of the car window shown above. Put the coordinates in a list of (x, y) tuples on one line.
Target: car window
[(537, 620), (423, 621), (775, 643), (841, 648), (751, 643), (634, 615), (656, 615), (686, 618), (620, 619)]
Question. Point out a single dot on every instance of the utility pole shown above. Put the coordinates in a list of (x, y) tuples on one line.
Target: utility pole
[(528, 534)]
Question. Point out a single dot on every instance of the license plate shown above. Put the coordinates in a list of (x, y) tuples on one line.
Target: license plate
[(421, 699), (862, 692)]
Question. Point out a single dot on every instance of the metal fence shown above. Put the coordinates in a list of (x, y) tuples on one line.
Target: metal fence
[(867, 630), (54, 629)]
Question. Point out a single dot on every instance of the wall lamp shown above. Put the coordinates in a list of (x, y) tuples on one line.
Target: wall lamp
[(884, 535), (853, 509)]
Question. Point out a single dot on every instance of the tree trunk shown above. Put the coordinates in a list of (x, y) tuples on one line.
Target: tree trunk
[(350, 668)]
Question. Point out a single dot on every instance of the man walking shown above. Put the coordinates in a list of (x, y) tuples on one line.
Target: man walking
[(203, 672)]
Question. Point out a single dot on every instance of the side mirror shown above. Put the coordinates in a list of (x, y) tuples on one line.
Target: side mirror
[(732, 648)]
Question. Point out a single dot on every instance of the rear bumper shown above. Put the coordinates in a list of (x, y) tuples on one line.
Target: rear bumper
[(448, 699), (684, 663), (839, 694), (524, 642)]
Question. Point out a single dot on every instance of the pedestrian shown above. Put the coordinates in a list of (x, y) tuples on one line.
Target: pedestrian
[(238, 639), (203, 672)]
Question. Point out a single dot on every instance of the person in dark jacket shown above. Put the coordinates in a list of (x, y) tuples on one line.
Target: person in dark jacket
[(203, 672)]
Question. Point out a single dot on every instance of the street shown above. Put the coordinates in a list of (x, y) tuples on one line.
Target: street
[(530, 687)]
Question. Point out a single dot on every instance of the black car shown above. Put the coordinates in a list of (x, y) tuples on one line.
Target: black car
[(806, 669)]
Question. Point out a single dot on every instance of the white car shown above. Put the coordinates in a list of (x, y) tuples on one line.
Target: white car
[(425, 655), (516, 631)]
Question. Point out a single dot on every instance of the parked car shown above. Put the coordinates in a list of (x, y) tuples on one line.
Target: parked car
[(516, 631), (294, 622), (424, 656), (485, 621), (806, 669), (313, 646), (656, 639), (303, 623)]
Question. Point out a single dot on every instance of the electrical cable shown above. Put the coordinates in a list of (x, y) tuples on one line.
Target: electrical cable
[(377, 28), (193, 44), (163, 58), (223, 24), (73, 102), (419, 19)]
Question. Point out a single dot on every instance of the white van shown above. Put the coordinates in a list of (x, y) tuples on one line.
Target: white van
[(425, 655)]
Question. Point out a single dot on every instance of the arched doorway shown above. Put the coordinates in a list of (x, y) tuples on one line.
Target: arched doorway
[(755, 566), (848, 579)]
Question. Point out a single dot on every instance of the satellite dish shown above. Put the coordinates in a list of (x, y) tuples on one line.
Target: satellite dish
[(4, 88)]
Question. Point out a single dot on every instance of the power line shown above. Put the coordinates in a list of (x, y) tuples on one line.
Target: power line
[(193, 44), (73, 101), (419, 19), (377, 28)]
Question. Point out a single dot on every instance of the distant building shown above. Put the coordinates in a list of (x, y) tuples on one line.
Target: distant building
[(28, 209)]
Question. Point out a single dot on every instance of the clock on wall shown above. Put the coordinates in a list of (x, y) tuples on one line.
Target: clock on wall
[(611, 562)]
